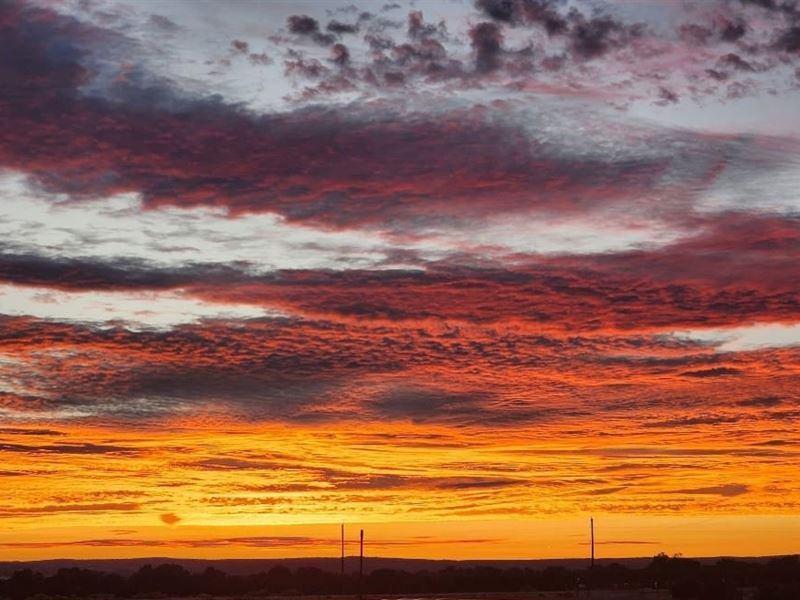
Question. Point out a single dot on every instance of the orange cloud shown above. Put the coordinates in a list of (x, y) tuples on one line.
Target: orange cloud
[(170, 518)]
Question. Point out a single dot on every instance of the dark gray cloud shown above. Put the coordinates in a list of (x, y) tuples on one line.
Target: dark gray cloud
[(302, 24), (594, 37), (733, 31), (78, 274), (340, 55), (545, 13), (715, 372), (789, 40), (761, 402), (306, 26), (588, 37), (734, 61), (340, 28), (487, 43), (429, 404), (240, 46), (666, 96)]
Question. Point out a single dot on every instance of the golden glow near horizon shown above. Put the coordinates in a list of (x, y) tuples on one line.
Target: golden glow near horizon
[(225, 489)]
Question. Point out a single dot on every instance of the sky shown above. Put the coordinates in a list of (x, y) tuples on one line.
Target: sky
[(463, 274)]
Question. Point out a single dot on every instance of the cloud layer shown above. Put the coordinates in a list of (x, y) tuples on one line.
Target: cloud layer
[(438, 267)]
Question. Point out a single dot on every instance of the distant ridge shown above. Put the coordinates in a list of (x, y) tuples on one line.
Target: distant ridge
[(247, 566)]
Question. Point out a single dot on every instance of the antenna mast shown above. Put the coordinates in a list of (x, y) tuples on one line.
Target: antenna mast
[(342, 577), (361, 569)]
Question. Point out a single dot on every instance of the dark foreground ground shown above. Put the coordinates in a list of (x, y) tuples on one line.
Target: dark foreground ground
[(662, 577), (645, 594)]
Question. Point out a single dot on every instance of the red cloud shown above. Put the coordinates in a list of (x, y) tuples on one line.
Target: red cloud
[(344, 168)]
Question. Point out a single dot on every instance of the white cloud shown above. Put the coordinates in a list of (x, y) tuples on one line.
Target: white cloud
[(748, 337), (35, 222), (132, 309)]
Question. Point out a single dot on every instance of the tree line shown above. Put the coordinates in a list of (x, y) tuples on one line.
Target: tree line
[(775, 579)]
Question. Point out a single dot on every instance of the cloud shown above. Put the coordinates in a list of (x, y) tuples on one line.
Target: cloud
[(340, 55), (789, 40), (418, 29), (605, 491), (733, 31), (442, 254), (304, 371), (425, 404), (30, 431), (667, 96), (529, 12), (340, 28), (93, 508), (351, 481), (623, 291), (734, 61), (344, 184), (352, 167), (588, 37), (608, 38), (302, 24), (761, 402), (243, 541), (163, 24), (246, 541), (774, 443), (170, 518), (86, 448), (714, 372), (240, 46), (556, 294), (593, 37), (729, 490), (487, 42), (685, 422), (37, 270)]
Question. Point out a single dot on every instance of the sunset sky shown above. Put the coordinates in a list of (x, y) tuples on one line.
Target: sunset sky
[(461, 273)]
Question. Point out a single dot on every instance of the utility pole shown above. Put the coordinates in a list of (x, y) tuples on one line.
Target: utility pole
[(590, 574), (361, 569), (342, 577)]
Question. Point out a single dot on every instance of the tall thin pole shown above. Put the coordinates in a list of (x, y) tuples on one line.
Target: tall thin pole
[(361, 569), (342, 578), (591, 530)]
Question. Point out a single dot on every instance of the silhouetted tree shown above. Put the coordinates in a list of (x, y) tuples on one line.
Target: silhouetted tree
[(776, 579)]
